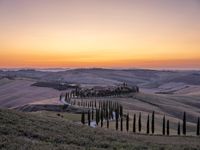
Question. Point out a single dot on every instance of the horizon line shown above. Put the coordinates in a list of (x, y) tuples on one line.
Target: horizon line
[(113, 68)]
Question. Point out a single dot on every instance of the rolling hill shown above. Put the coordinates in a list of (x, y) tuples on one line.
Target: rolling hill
[(33, 131)]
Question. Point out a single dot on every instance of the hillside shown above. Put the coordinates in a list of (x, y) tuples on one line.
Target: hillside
[(19, 92), (16, 87), (32, 131)]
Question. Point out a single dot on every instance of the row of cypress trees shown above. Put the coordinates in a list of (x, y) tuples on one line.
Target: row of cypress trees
[(101, 104), (178, 128), (101, 116), (106, 110)]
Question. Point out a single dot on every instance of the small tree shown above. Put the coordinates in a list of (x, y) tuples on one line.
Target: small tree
[(101, 118), (110, 113), (152, 123), (106, 113), (121, 111), (107, 117), (179, 129), (198, 126), (140, 123), (107, 122), (92, 114), (163, 131), (121, 124), (116, 118), (127, 122), (148, 124), (83, 117), (184, 123), (134, 123), (167, 127), (97, 116), (88, 117)]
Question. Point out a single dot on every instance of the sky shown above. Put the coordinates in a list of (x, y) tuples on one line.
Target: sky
[(100, 33)]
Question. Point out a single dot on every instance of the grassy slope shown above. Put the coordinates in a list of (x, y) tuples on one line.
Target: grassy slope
[(32, 131)]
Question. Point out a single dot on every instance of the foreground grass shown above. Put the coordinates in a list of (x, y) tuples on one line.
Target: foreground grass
[(31, 131)]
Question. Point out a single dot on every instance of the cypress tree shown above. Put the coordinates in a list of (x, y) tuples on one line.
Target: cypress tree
[(127, 122), (104, 113), (152, 123), (107, 117), (163, 130), (111, 113), (92, 114), (121, 111), (83, 117), (179, 128), (198, 126), (148, 124), (134, 123), (139, 123), (184, 123), (88, 117), (107, 122), (121, 124), (101, 118), (107, 114), (97, 116), (167, 127), (116, 118)]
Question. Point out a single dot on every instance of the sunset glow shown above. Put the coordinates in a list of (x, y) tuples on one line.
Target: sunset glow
[(106, 33)]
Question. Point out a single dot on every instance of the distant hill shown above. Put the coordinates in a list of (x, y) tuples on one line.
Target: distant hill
[(111, 76), (16, 86)]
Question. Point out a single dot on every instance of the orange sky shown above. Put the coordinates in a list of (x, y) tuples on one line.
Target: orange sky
[(107, 33)]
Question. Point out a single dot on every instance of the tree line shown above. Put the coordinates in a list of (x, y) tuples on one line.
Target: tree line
[(100, 92), (113, 111), (105, 111)]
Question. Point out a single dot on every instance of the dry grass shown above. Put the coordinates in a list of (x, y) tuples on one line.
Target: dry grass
[(32, 131)]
